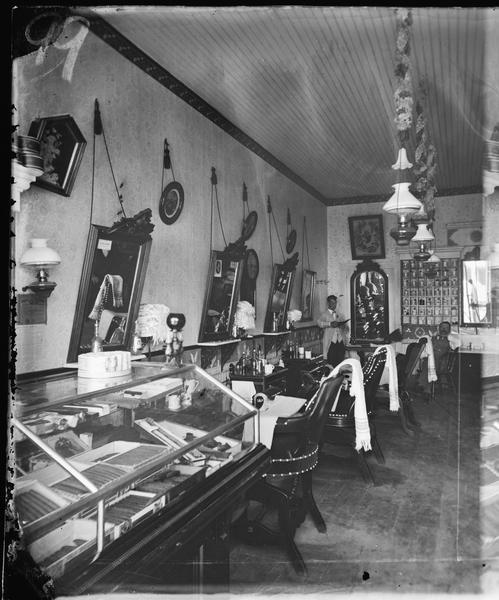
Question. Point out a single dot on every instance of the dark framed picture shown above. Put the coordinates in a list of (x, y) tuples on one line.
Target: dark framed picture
[(62, 147), (367, 237)]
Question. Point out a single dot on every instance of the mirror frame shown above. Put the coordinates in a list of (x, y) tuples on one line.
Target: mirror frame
[(96, 233), (220, 336), (363, 267), (276, 271), (485, 267)]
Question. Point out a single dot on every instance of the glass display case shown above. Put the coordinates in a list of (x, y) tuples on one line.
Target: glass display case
[(97, 458)]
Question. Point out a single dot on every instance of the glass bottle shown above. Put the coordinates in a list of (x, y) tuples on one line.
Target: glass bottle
[(96, 343)]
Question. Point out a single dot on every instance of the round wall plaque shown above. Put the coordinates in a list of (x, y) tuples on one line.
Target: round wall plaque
[(171, 203)]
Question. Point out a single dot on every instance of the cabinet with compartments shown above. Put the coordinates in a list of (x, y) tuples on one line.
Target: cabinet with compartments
[(429, 295)]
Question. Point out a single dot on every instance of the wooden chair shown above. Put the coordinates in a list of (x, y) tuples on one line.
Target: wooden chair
[(446, 372), (340, 424), (294, 454)]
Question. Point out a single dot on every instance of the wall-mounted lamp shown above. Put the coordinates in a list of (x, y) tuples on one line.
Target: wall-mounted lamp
[(40, 256)]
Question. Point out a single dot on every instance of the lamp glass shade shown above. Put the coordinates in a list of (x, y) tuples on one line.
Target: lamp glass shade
[(39, 254), (423, 234), (402, 162), (433, 258), (402, 202)]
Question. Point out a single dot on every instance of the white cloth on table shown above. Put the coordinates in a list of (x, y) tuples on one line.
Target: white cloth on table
[(362, 431), (280, 406), (393, 382)]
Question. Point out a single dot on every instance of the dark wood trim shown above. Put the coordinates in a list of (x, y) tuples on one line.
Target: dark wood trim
[(140, 59)]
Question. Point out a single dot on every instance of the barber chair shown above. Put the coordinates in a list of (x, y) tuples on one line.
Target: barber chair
[(339, 430), (287, 486)]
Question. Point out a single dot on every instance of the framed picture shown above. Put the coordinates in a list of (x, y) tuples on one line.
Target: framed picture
[(366, 237), (62, 147), (307, 295)]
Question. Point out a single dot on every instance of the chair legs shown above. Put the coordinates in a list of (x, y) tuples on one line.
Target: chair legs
[(310, 504), (289, 513), (364, 467)]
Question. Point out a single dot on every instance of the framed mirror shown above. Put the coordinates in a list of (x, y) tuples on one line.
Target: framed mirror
[(476, 293), (281, 286), (110, 289), (222, 290), (369, 304)]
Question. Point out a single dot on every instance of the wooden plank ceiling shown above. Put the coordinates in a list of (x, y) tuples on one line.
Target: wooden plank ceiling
[(314, 85)]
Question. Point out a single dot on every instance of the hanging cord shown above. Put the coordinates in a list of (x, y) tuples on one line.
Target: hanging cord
[(269, 210), (220, 216), (278, 238), (97, 131), (305, 242), (214, 182), (120, 199)]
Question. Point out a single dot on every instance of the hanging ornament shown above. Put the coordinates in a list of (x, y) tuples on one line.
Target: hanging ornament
[(171, 202)]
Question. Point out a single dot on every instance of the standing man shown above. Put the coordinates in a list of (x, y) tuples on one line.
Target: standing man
[(335, 332)]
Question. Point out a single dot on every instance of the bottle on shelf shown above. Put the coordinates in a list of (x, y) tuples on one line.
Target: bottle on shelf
[(243, 363)]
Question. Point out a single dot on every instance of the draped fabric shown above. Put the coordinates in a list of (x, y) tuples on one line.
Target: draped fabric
[(110, 284), (362, 431), (393, 383), (432, 369)]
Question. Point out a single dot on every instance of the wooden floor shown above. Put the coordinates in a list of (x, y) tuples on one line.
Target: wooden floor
[(416, 530)]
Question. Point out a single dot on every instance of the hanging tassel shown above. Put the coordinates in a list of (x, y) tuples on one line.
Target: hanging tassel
[(167, 163), (213, 176)]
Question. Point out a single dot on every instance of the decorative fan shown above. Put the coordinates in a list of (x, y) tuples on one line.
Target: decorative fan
[(250, 219), (172, 198), (290, 235)]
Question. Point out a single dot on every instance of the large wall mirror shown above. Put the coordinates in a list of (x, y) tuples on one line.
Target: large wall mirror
[(476, 293), (110, 289), (281, 287), (222, 290), (369, 304)]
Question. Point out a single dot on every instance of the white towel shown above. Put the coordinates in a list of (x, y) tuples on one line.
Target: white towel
[(113, 283), (393, 382), (362, 432), (432, 371)]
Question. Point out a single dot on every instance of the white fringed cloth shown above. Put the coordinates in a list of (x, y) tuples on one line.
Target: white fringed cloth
[(113, 283), (151, 322), (362, 432), (393, 381), (432, 370)]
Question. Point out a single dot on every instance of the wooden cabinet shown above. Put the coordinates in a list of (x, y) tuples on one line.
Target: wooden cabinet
[(468, 371)]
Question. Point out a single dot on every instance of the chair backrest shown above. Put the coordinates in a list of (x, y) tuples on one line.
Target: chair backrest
[(295, 433), (371, 371), (409, 375), (451, 361)]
